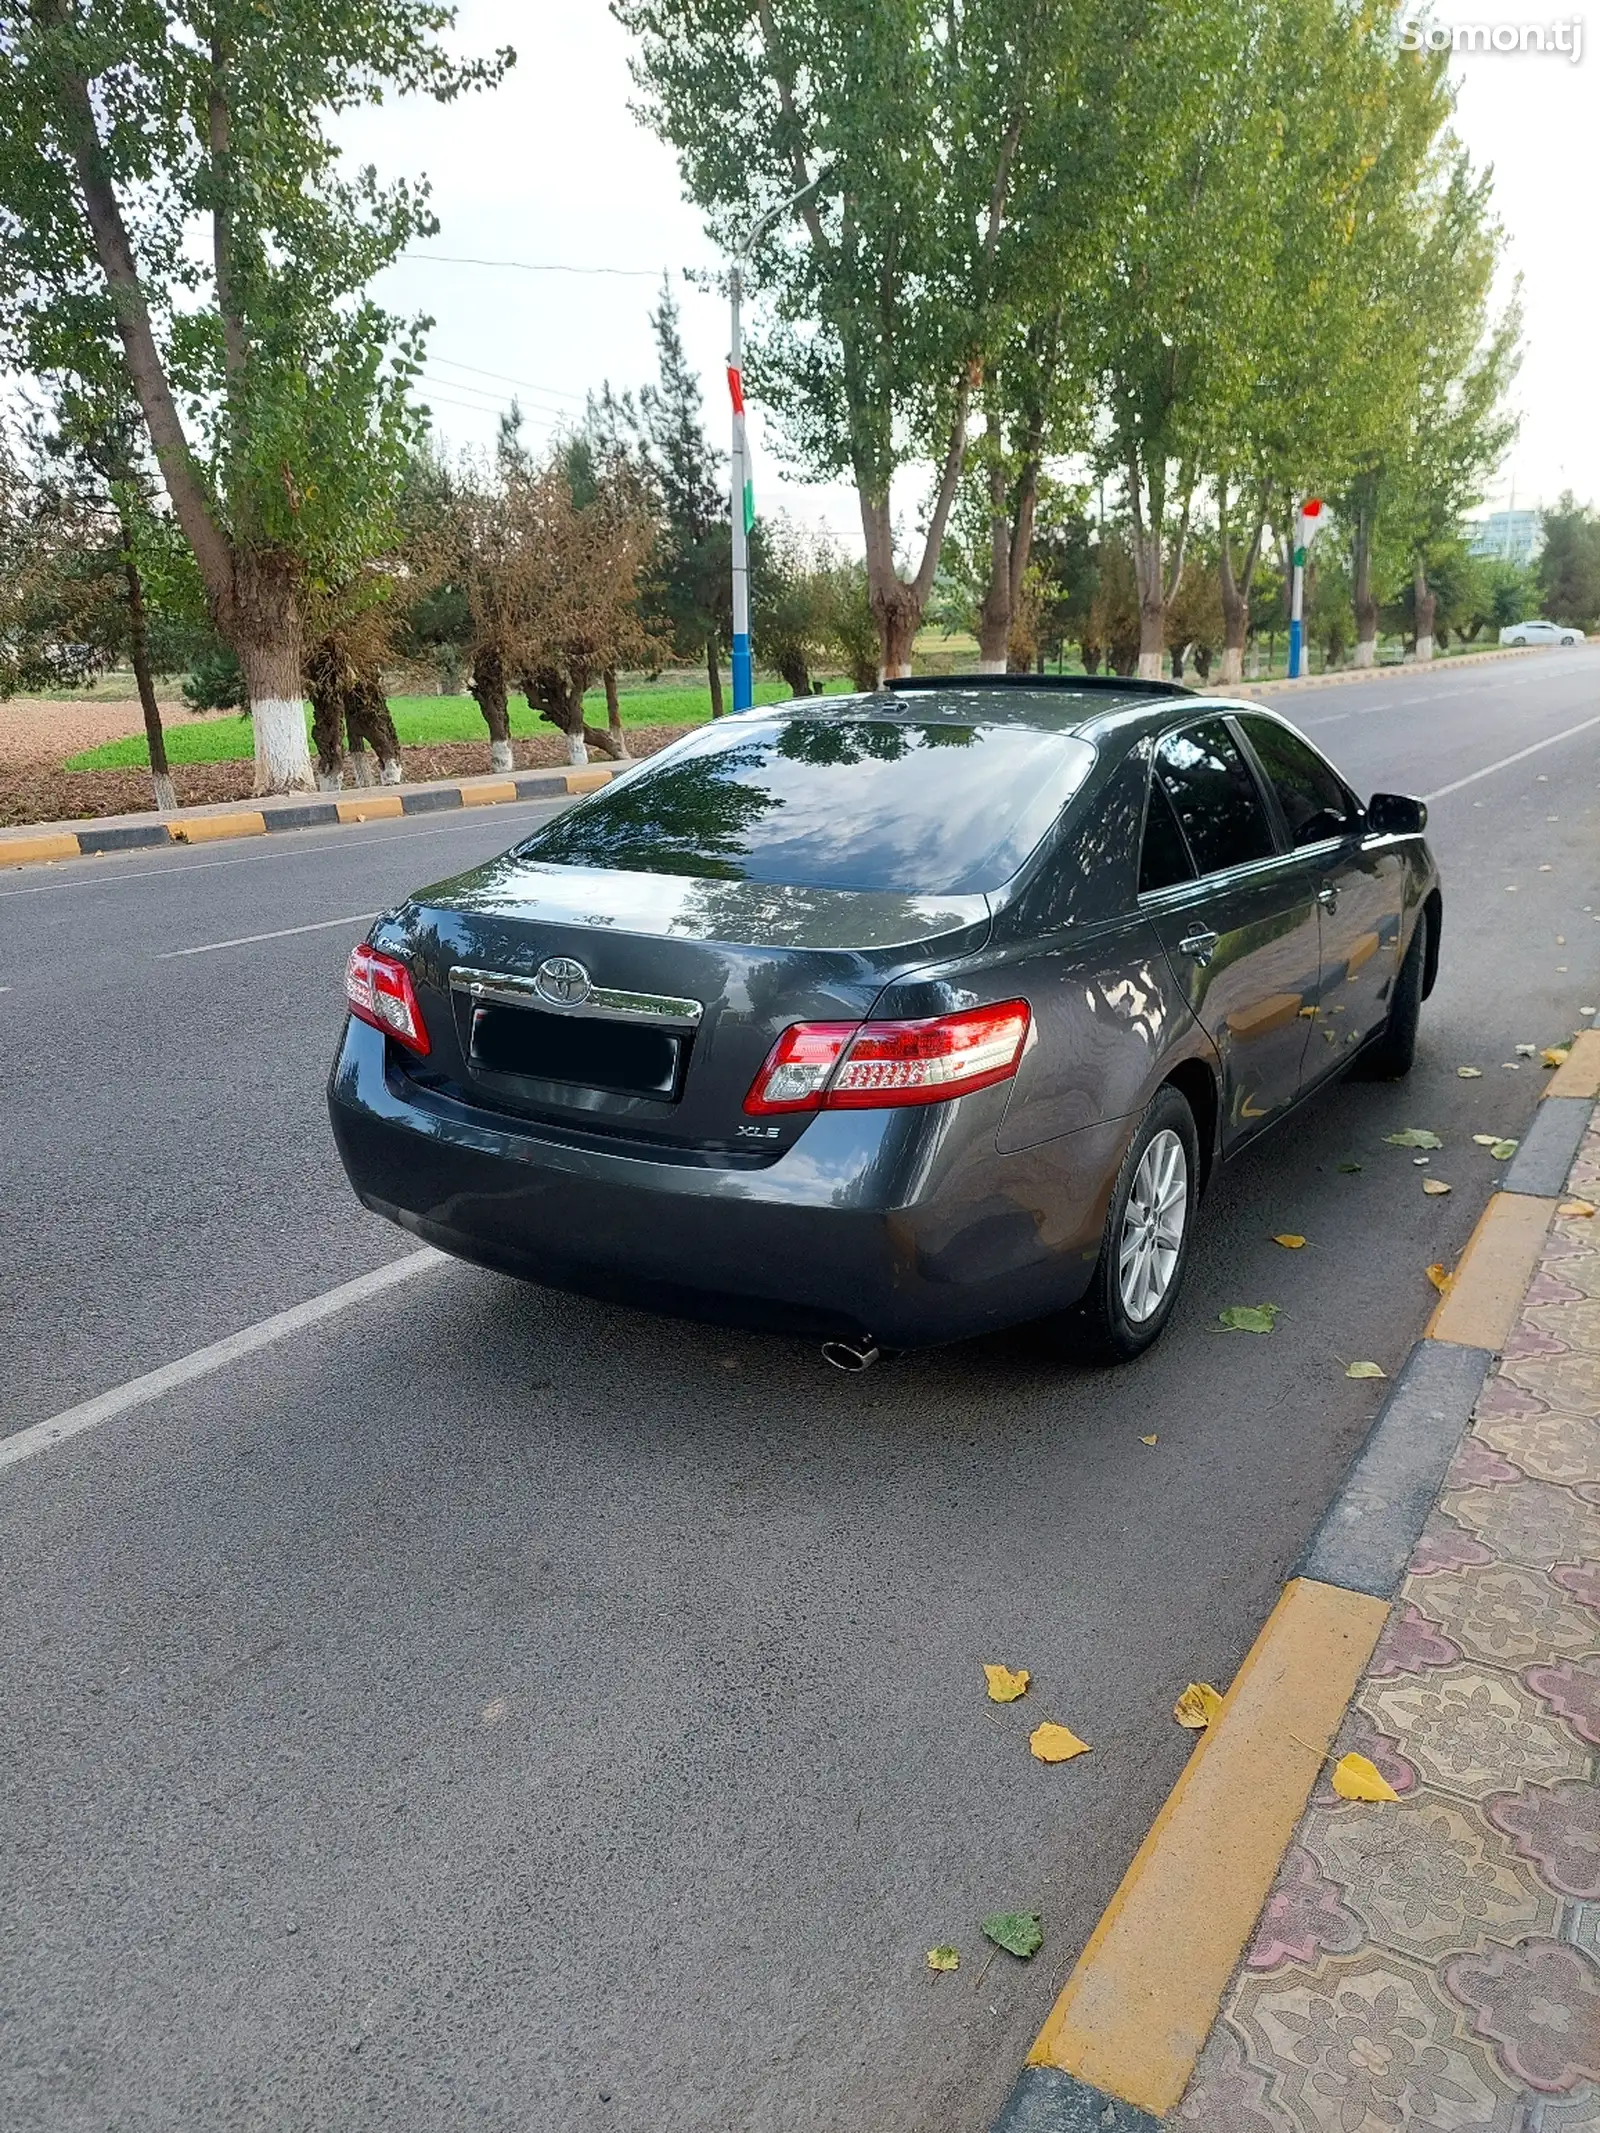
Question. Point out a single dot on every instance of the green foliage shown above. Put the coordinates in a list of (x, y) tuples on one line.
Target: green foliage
[(214, 683), (1569, 564), (691, 575)]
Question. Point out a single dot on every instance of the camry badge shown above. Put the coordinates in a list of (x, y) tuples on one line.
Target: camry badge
[(562, 981)]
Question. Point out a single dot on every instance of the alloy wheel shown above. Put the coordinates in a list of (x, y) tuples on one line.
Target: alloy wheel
[(1152, 1226)]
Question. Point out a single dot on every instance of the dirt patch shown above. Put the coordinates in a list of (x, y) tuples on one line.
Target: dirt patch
[(41, 791), (34, 729)]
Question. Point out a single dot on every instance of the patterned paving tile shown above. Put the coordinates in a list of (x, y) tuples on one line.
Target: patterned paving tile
[(1434, 1962)]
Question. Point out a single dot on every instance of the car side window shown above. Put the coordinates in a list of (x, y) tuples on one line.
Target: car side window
[(1163, 857), (1315, 800), (1215, 797)]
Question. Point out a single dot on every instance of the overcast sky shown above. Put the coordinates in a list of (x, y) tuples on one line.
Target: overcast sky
[(552, 169)]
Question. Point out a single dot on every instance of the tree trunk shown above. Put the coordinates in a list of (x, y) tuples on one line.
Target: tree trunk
[(327, 727), (1363, 599), (1235, 590), (616, 732), (1426, 601), (994, 618), (368, 720), (1090, 655), (1152, 605), (897, 606), (489, 687), (714, 675), (139, 652), (266, 635)]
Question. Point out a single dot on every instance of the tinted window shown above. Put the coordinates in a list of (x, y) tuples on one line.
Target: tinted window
[(929, 808), (1164, 857), (1216, 797), (1313, 797)]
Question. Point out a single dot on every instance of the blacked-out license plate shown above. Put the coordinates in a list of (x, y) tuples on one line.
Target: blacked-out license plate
[(588, 1051)]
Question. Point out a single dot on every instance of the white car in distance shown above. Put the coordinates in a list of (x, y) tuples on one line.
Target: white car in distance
[(1540, 633)]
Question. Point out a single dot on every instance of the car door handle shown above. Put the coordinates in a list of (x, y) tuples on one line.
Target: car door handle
[(1202, 946), (1328, 897)]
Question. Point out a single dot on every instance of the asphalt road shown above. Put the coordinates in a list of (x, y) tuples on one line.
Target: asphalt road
[(493, 1711)]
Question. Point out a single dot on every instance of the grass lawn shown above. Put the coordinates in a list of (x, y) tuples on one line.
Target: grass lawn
[(422, 720)]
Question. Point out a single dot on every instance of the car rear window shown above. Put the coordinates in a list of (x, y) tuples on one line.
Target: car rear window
[(925, 809)]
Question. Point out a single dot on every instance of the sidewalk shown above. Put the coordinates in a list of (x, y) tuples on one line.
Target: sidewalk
[(1434, 1961)]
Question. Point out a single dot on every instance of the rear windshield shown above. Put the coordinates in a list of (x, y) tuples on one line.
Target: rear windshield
[(931, 809)]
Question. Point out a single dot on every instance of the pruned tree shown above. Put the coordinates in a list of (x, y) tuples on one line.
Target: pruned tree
[(275, 394), (1568, 568)]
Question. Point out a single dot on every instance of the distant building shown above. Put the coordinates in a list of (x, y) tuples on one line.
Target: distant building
[(1508, 536)]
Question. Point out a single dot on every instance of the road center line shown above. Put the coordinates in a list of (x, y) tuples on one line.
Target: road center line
[(139, 1392), (1506, 761), (248, 940)]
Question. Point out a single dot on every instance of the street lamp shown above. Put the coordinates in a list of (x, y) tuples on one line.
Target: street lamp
[(743, 497), (1305, 527)]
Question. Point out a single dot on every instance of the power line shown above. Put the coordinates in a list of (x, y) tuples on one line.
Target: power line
[(555, 392), (534, 266)]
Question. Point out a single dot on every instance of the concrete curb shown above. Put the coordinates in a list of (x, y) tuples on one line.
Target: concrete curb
[(1120, 2044), (1446, 665), (44, 843)]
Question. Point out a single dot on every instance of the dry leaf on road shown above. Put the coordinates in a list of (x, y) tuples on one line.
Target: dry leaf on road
[(1440, 1279), (1004, 1685), (1469, 1073), (1354, 1778), (1502, 1151), (1198, 1706), (1365, 1370), (1553, 1054), (944, 1959), (1055, 1744), (1147, 1440), (1290, 1242), (1434, 1186), (1576, 1207), (1414, 1137)]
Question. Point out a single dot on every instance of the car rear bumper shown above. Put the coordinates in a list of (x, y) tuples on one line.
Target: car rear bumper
[(907, 1225)]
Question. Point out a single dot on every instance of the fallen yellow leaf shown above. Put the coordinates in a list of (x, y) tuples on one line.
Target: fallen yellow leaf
[(1434, 1186), (1354, 1778), (1576, 1207), (1004, 1686), (1290, 1242), (1151, 1440), (1440, 1279), (943, 1959), (1056, 1744), (1553, 1054), (1365, 1370), (1198, 1706), (1470, 1073)]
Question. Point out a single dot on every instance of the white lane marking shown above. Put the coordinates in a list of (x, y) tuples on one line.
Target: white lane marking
[(317, 844), (139, 1392), (248, 940), (1506, 761)]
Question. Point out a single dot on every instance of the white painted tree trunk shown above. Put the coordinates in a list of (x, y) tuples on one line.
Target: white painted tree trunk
[(500, 756), (1424, 649), (166, 791), (331, 781), (1230, 667), (391, 771), (577, 752), (1150, 666), (1366, 652), (283, 753), (990, 666)]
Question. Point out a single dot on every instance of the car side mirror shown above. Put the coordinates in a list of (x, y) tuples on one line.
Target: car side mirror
[(1394, 814)]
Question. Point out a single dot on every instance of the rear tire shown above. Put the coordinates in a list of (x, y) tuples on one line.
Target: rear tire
[(1389, 1057), (1145, 1245)]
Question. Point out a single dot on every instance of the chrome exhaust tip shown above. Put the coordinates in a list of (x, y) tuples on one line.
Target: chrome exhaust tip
[(851, 1354)]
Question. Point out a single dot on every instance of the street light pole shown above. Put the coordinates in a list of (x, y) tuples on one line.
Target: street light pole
[(743, 488)]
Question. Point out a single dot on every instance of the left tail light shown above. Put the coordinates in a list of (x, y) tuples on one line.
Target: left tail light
[(379, 990), (869, 1066)]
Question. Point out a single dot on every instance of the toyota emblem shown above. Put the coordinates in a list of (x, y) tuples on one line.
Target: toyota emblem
[(562, 981)]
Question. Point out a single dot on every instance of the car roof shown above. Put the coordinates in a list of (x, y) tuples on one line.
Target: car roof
[(1092, 707)]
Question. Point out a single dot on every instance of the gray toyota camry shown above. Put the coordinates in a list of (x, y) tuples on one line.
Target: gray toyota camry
[(892, 1018)]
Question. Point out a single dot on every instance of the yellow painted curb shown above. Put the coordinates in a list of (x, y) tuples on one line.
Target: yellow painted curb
[(1141, 2000), (207, 829), (1579, 1073), (1496, 1267), (587, 780), (380, 806), (27, 851), (487, 795)]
